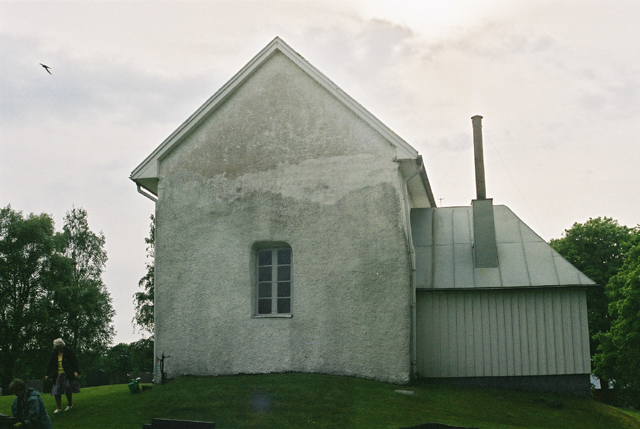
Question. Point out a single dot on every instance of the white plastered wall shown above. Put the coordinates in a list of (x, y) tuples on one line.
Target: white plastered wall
[(282, 160)]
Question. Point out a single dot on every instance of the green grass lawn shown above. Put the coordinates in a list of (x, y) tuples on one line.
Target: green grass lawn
[(320, 401), (634, 413)]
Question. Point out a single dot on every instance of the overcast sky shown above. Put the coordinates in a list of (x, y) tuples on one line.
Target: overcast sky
[(558, 84)]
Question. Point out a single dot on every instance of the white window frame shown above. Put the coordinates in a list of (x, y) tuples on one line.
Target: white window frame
[(275, 283)]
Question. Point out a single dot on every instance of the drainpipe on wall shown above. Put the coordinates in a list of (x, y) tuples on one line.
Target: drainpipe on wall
[(412, 259), (155, 212)]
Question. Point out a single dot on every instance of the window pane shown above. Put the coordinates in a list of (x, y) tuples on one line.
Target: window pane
[(284, 289), (264, 257), (284, 257), (273, 281), (284, 273), (264, 306), (264, 290), (284, 305), (264, 274)]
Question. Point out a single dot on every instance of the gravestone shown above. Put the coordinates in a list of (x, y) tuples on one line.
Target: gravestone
[(7, 421), (436, 426), (35, 384), (178, 424)]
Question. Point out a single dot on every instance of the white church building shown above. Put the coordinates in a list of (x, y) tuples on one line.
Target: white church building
[(295, 232)]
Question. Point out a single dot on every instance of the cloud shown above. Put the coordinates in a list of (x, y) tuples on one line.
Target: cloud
[(611, 91), (556, 82), (82, 89)]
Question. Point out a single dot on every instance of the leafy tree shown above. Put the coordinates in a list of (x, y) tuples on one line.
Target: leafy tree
[(133, 357), (618, 358), (82, 304), (117, 358), (142, 356), (26, 247), (50, 286), (144, 300), (597, 248)]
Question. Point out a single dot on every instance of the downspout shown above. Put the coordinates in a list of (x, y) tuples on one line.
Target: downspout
[(155, 367), (146, 194), (412, 284)]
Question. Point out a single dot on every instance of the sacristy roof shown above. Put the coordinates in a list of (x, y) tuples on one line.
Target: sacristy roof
[(146, 174), (443, 239)]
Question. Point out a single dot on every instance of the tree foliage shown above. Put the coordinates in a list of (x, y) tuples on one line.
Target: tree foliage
[(133, 357), (50, 286), (609, 253), (618, 358), (83, 305), (144, 300), (26, 247), (597, 248)]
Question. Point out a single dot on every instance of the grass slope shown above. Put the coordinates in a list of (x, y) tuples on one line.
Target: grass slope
[(321, 401)]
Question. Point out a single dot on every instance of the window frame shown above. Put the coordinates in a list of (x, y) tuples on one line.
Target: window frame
[(275, 281)]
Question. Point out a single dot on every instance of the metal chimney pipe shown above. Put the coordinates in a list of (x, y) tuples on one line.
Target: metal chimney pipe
[(481, 190)]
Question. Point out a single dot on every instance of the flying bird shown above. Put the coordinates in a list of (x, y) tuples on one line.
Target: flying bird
[(46, 67)]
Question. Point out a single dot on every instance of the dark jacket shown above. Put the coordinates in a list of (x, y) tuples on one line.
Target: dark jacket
[(69, 364), (30, 410)]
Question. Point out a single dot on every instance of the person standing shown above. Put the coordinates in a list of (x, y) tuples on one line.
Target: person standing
[(63, 369), (28, 407)]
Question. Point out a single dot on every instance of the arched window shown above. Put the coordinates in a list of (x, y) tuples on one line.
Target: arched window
[(274, 281)]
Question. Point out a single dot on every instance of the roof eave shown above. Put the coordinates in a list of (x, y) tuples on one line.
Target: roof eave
[(418, 186)]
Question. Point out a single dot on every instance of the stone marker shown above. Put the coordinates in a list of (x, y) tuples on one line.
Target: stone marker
[(436, 426)]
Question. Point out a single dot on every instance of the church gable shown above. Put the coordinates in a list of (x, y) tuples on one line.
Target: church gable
[(281, 229), (278, 116), (262, 109)]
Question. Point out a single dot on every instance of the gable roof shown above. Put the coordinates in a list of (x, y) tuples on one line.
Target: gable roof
[(443, 239), (146, 174)]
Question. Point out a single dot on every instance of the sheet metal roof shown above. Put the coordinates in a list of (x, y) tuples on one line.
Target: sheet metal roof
[(443, 240)]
